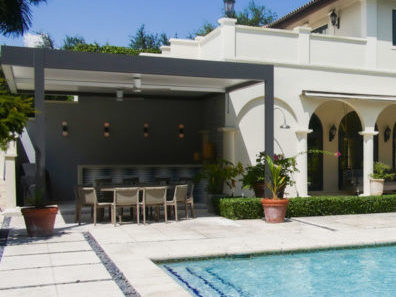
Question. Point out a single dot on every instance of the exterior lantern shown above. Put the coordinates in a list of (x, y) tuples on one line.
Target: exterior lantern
[(229, 8), (335, 20), (387, 134), (332, 133)]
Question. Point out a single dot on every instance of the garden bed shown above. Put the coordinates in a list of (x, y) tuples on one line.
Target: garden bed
[(250, 208)]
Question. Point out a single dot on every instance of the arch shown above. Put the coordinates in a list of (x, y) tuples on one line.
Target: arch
[(344, 102), (315, 161), (260, 101), (350, 145)]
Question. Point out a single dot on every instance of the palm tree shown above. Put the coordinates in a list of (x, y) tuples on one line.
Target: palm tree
[(16, 16)]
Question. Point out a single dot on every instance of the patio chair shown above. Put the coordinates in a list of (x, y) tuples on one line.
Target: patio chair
[(190, 201), (100, 183), (153, 197), (180, 195), (87, 197), (125, 197)]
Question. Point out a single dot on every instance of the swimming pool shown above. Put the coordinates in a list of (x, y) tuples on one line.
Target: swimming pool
[(369, 271)]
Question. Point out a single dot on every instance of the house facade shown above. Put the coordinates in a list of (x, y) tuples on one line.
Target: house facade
[(334, 85), (327, 72)]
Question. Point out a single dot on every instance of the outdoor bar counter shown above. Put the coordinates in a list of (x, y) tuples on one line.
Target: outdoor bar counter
[(87, 174)]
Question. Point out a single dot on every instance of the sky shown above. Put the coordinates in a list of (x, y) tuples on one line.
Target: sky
[(114, 21)]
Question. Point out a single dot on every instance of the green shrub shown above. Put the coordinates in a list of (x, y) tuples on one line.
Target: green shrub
[(250, 208)]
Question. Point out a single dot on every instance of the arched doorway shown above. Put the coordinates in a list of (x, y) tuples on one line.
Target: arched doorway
[(315, 161), (350, 145)]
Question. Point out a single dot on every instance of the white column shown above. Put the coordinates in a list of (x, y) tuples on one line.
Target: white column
[(227, 27), (302, 162), (304, 34), (368, 158), (228, 143), (8, 173)]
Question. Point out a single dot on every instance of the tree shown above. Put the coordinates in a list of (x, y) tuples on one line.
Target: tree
[(14, 113), (16, 16), (204, 30), (254, 15), (72, 41), (143, 40), (47, 41)]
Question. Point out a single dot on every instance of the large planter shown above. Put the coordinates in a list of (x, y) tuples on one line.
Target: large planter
[(40, 221), (275, 209), (376, 187)]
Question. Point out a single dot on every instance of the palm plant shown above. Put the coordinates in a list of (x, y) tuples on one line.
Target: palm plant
[(16, 16), (278, 179)]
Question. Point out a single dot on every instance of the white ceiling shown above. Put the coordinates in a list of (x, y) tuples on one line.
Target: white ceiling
[(77, 81)]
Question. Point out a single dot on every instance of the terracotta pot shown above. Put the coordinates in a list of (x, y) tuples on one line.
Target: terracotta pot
[(274, 210), (259, 189), (39, 221)]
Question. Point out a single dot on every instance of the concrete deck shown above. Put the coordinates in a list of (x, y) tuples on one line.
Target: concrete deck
[(66, 264)]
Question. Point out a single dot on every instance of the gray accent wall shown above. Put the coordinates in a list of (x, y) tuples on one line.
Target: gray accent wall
[(86, 144)]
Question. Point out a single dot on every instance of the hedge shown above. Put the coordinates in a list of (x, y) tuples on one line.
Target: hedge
[(250, 208)]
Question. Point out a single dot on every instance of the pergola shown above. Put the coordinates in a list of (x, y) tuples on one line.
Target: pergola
[(45, 71)]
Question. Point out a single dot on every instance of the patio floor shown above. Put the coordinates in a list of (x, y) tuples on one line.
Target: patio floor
[(72, 261)]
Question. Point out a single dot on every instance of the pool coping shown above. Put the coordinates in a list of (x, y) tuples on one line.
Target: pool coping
[(271, 252)]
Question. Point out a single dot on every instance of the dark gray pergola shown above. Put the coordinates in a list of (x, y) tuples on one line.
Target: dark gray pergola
[(42, 60)]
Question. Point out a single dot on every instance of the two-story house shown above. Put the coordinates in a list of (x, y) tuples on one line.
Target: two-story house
[(335, 86)]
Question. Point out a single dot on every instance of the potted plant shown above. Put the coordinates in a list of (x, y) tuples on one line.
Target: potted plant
[(280, 169), (254, 176), (381, 173), (39, 217), (217, 174)]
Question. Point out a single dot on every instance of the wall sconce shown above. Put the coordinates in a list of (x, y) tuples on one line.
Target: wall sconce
[(106, 129), (145, 130), (335, 19), (181, 131), (387, 133), (332, 133), (120, 95), (65, 129)]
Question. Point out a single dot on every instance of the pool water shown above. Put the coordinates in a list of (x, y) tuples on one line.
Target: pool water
[(346, 272)]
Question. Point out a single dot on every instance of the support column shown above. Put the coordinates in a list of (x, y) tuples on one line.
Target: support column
[(302, 162), (228, 143), (39, 105), (368, 158), (269, 125), (9, 175)]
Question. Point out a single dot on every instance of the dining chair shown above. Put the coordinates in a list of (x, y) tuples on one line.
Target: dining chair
[(101, 183), (153, 197), (125, 197), (179, 196), (190, 201), (87, 197)]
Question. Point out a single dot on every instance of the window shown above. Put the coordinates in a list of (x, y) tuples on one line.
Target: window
[(394, 27), (322, 29)]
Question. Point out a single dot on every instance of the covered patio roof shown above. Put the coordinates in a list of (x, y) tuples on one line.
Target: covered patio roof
[(84, 73), (67, 72)]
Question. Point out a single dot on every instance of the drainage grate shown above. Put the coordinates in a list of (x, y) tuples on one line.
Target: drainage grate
[(115, 273)]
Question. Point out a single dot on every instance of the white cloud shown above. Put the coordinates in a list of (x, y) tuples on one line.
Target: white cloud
[(32, 40)]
